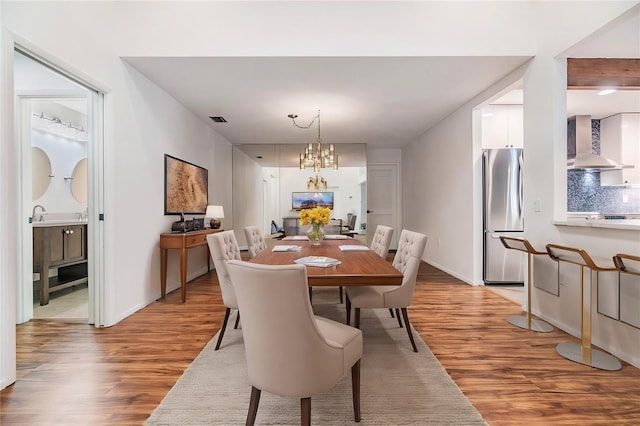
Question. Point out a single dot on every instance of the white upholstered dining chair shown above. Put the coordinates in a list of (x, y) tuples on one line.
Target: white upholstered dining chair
[(223, 248), (407, 260), (255, 240), (382, 240), (289, 351), (380, 244)]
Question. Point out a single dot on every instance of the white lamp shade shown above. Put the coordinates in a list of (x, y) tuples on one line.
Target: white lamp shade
[(215, 212)]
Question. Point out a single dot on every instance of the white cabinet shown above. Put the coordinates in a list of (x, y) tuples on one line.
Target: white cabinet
[(502, 126), (620, 141)]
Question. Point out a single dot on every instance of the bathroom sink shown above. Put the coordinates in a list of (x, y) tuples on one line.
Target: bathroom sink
[(59, 222), (59, 219)]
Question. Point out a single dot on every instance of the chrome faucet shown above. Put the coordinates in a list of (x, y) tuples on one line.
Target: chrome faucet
[(84, 215), (33, 213)]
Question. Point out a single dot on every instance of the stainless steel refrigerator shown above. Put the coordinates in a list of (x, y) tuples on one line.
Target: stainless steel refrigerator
[(503, 215)]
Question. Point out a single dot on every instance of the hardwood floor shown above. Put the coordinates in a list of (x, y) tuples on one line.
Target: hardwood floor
[(74, 374)]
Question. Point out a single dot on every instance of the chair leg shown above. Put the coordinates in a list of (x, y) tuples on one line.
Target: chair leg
[(311, 295), (237, 320), (341, 298), (224, 326), (253, 406), (398, 316), (391, 312), (408, 325), (305, 411), (348, 308), (355, 389), (357, 319)]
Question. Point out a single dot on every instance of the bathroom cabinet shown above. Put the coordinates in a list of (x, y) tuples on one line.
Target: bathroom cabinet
[(63, 248)]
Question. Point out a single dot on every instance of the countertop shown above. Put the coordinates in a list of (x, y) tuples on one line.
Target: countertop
[(47, 223), (629, 224)]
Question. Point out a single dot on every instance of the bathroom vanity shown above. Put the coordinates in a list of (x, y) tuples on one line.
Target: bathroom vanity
[(62, 247)]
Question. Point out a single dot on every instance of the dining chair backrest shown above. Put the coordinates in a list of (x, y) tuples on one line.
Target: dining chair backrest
[(223, 247), (351, 221), (382, 240), (334, 227), (407, 260), (255, 240), (285, 350)]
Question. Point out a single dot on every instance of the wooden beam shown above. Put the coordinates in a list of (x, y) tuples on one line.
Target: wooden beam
[(593, 73)]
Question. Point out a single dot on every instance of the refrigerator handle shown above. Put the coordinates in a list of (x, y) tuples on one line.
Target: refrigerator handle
[(521, 189)]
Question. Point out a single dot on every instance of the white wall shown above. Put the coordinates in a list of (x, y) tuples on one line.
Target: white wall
[(437, 182), (248, 190)]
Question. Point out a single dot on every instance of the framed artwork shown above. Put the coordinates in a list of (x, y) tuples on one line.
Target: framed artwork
[(309, 200), (186, 187)]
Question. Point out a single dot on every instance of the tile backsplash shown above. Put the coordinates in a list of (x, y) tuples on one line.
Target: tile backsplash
[(584, 194)]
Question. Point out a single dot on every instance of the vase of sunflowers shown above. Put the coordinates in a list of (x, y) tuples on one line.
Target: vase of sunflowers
[(317, 217)]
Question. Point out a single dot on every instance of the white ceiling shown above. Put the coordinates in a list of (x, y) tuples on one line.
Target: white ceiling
[(380, 101)]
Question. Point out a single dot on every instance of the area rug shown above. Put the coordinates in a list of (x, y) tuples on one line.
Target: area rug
[(398, 386)]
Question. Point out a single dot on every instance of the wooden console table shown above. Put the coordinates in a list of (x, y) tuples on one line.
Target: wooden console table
[(181, 241)]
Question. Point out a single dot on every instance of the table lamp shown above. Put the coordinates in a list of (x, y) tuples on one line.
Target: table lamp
[(215, 213)]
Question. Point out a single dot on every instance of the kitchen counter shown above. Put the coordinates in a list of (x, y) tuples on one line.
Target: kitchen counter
[(628, 224)]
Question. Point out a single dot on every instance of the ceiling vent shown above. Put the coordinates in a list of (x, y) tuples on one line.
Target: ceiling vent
[(218, 119)]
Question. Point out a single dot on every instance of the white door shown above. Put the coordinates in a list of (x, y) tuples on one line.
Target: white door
[(383, 200)]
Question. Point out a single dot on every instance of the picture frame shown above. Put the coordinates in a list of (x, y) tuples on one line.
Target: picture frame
[(309, 200), (186, 187)]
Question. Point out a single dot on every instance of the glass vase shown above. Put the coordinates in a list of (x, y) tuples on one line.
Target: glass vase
[(316, 234)]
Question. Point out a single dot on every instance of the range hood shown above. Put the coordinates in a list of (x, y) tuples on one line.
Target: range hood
[(579, 135)]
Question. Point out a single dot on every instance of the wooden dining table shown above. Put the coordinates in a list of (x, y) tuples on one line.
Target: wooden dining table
[(357, 268)]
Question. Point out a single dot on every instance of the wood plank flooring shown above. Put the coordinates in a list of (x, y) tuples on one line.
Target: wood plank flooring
[(74, 374)]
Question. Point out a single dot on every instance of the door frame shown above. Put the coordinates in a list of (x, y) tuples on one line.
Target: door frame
[(24, 290)]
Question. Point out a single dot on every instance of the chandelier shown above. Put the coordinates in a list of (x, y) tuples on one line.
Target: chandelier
[(316, 156), (317, 183)]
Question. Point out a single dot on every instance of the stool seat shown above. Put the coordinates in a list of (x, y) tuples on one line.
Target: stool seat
[(583, 353), (525, 321)]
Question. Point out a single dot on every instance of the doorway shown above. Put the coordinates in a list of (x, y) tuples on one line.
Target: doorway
[(58, 137)]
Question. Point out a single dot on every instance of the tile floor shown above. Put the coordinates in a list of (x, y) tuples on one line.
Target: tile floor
[(70, 303)]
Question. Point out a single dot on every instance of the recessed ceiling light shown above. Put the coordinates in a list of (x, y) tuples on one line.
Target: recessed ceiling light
[(606, 92)]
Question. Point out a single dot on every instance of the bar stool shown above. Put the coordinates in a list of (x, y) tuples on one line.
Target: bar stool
[(525, 321), (583, 353), (630, 267)]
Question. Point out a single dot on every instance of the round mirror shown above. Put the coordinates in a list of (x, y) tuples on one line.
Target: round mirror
[(41, 172), (79, 181)]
